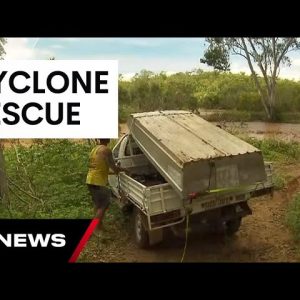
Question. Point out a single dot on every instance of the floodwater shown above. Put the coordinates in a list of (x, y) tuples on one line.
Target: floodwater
[(259, 130)]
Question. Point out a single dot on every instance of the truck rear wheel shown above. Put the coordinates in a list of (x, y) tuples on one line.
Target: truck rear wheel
[(140, 232), (233, 226)]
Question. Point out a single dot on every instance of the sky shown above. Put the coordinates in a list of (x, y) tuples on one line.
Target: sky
[(170, 55)]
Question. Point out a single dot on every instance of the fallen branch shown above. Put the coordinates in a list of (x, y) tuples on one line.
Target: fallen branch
[(22, 190), (25, 171), (19, 197), (28, 194)]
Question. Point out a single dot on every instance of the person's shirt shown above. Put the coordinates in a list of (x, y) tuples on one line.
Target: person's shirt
[(99, 162)]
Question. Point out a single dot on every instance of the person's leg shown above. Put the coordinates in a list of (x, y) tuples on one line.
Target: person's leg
[(102, 201), (99, 215), (94, 191)]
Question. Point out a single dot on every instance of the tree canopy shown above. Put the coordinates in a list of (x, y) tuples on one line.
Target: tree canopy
[(195, 90), (267, 55)]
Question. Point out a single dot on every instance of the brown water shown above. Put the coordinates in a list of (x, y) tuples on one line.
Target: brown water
[(283, 131), (259, 130)]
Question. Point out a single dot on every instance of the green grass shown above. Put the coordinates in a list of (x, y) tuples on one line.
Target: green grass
[(115, 236), (47, 180), (293, 216), (279, 180), (280, 153), (283, 153), (277, 150)]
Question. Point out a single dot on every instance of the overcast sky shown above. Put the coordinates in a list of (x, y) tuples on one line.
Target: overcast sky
[(134, 54)]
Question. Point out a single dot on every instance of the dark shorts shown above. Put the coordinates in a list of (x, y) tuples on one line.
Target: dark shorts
[(100, 196)]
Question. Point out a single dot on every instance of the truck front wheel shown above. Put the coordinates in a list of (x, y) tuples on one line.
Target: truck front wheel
[(140, 232), (232, 226)]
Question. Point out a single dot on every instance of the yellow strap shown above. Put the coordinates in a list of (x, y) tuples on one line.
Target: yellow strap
[(235, 189)]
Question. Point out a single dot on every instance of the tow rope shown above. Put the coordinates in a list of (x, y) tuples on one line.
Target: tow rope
[(188, 212)]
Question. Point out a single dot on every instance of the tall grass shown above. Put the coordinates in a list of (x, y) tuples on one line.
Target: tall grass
[(280, 153), (277, 150), (47, 180), (293, 216)]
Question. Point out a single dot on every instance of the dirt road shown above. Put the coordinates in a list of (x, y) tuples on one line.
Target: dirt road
[(263, 237)]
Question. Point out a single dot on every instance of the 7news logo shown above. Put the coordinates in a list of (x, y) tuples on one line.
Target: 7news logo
[(17, 240), (46, 240)]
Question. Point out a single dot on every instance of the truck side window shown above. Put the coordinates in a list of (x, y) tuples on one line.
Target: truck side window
[(132, 148), (127, 149), (115, 152), (136, 150)]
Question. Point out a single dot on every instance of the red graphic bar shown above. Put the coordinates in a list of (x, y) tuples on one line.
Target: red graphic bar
[(84, 240)]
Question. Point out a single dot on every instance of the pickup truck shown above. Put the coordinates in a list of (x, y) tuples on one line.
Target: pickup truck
[(160, 171)]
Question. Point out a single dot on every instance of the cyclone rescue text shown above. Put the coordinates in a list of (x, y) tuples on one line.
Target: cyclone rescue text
[(56, 82)]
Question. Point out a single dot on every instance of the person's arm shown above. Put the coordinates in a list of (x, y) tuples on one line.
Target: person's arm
[(111, 163)]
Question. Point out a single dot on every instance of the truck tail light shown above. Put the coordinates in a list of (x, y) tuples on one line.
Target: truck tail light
[(193, 196)]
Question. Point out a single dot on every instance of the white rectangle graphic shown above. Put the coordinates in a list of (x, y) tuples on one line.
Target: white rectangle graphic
[(59, 99)]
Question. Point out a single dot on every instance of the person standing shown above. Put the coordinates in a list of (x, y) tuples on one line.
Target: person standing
[(100, 161)]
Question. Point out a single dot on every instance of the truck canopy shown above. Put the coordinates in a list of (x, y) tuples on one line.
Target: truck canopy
[(187, 137), (194, 155)]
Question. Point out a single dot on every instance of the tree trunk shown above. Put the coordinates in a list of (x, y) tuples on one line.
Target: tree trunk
[(271, 99), (272, 108), (264, 99), (265, 102), (257, 84), (3, 178)]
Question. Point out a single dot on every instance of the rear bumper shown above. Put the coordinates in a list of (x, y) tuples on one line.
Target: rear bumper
[(215, 219), (200, 205), (262, 192), (223, 214)]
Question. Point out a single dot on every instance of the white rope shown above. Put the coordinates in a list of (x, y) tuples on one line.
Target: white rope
[(186, 235)]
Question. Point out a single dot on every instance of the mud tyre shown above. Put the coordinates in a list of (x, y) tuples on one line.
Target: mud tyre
[(141, 235), (232, 226)]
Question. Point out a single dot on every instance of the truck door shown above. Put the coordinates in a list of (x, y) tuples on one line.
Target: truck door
[(118, 153), (116, 150)]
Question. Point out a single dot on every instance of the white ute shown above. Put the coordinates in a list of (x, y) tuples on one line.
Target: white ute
[(179, 164)]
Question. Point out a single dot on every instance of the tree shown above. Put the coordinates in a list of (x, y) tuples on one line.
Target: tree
[(265, 54), (3, 178)]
